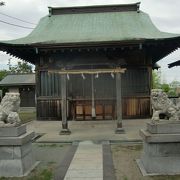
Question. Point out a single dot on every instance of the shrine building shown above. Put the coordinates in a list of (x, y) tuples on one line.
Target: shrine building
[(93, 62)]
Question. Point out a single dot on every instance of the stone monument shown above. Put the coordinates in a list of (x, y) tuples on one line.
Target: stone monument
[(16, 158), (161, 139)]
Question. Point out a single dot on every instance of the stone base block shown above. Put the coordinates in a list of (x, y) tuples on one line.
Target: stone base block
[(17, 167), (161, 150), (119, 131), (143, 170), (12, 131), (65, 132), (15, 152), (16, 157), (164, 127), (161, 165), (161, 138), (20, 140)]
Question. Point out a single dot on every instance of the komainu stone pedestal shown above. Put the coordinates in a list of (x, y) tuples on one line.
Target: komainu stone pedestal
[(16, 158), (161, 149)]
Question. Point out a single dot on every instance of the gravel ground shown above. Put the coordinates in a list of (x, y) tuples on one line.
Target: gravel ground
[(124, 157)]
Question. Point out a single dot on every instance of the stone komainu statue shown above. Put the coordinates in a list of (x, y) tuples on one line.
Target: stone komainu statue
[(161, 104), (9, 108)]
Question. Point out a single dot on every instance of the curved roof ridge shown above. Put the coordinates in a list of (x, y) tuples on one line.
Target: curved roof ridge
[(94, 9)]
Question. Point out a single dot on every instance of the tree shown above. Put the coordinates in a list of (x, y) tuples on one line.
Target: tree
[(3, 73), (156, 79), (21, 67), (168, 88), (2, 3), (172, 93), (175, 84), (165, 87)]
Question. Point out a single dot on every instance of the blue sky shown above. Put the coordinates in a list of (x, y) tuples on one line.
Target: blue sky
[(164, 14)]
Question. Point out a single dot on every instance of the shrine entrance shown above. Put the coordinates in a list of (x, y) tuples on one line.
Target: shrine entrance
[(84, 95), (92, 96)]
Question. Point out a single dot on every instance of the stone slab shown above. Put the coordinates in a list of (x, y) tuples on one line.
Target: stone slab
[(83, 178), (87, 165), (162, 149), (81, 173), (158, 138), (87, 162), (161, 165), (65, 132), (17, 167), (164, 127), (17, 160), (20, 140), (143, 170), (14, 152), (119, 131), (12, 131)]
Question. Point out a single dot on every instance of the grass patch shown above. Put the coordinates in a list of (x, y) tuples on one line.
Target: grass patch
[(175, 177), (125, 178), (45, 174), (2, 178), (135, 147), (128, 148), (27, 116)]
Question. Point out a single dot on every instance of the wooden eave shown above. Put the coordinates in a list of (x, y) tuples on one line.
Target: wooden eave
[(176, 63), (158, 48)]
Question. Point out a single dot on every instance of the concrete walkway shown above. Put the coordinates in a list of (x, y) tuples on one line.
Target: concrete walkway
[(87, 163), (91, 161), (87, 130)]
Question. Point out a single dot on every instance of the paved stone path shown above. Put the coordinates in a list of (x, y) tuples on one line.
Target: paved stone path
[(87, 163)]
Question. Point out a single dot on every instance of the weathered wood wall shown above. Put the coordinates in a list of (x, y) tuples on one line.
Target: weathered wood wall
[(135, 86), (27, 96)]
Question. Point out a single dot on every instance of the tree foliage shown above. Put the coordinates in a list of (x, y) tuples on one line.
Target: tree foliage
[(156, 79), (20, 68), (2, 3), (165, 87), (3, 73), (175, 84), (170, 89)]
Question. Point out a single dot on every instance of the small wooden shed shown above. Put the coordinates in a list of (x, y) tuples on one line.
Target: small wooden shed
[(24, 84)]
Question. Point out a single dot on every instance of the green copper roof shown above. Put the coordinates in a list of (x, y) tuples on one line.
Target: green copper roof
[(93, 27)]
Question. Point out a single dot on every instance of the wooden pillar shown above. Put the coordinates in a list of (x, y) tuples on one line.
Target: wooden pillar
[(93, 109), (37, 90), (64, 129), (119, 129)]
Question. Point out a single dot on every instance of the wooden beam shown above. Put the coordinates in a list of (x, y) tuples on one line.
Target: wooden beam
[(88, 71)]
